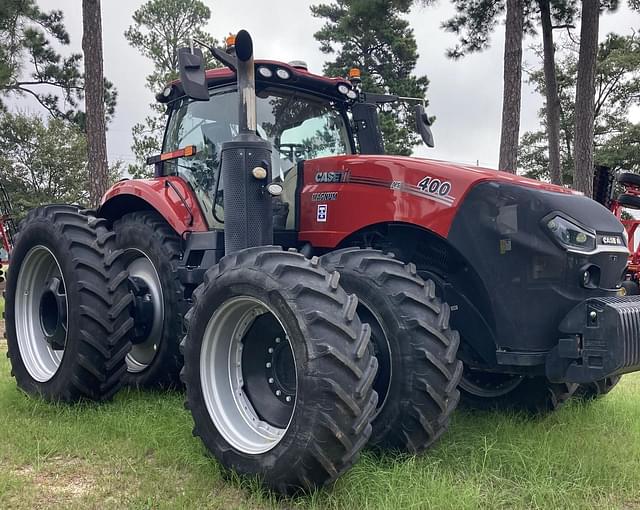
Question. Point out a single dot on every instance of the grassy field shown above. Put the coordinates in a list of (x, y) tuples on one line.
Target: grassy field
[(138, 452)]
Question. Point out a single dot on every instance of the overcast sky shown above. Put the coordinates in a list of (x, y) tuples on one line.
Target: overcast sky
[(464, 95)]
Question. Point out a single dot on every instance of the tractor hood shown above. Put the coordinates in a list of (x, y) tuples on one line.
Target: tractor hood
[(460, 177), (424, 192)]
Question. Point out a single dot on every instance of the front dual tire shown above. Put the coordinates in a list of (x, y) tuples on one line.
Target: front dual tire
[(278, 369)]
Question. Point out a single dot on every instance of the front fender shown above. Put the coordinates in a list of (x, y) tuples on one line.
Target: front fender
[(171, 197)]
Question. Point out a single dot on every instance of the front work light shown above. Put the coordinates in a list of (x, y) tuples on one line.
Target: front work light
[(570, 235)]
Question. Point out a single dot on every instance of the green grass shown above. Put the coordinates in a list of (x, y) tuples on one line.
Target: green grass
[(138, 452)]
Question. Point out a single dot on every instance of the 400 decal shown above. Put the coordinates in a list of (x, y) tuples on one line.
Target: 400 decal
[(435, 186)]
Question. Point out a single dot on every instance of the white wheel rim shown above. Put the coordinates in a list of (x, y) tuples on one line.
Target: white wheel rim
[(40, 359), (142, 354), (221, 378)]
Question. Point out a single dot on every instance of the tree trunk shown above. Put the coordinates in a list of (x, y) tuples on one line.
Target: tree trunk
[(551, 92), (94, 100), (585, 97), (512, 85)]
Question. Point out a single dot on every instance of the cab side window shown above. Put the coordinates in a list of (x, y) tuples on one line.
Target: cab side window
[(206, 125)]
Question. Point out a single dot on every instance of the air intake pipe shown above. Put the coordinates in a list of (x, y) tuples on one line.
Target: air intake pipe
[(245, 161)]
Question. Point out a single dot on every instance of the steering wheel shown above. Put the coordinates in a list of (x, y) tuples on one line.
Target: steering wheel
[(292, 150)]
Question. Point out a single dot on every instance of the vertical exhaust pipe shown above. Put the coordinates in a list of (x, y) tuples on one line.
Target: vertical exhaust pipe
[(247, 205)]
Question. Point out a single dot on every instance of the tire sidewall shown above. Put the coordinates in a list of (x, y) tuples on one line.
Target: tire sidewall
[(40, 232), (285, 454), (377, 301), (136, 236)]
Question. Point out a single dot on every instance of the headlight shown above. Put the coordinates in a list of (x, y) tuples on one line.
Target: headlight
[(571, 235)]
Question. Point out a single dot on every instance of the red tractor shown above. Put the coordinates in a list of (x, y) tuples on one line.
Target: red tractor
[(396, 285)]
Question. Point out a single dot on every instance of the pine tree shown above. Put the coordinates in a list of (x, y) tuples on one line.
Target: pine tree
[(30, 64), (616, 140), (94, 79), (373, 36), (160, 28), (585, 93), (474, 23)]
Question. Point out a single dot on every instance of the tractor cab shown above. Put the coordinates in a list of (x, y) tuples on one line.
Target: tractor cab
[(302, 115), (302, 119)]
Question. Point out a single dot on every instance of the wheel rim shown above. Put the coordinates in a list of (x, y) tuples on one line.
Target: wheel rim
[(248, 375), (41, 311), (144, 351), (382, 351), (488, 384)]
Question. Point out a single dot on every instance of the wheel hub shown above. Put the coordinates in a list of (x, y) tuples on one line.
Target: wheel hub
[(148, 310), (268, 370), (53, 313), (143, 309), (279, 370)]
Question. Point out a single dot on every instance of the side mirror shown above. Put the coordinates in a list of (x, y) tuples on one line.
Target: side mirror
[(424, 126), (192, 74)]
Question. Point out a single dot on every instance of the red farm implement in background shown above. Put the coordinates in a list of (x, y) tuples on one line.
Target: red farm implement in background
[(7, 230), (605, 192)]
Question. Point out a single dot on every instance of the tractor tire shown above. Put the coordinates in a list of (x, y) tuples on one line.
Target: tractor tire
[(629, 179), (67, 313), (494, 391), (597, 389), (278, 369), (418, 372), (151, 255), (629, 201)]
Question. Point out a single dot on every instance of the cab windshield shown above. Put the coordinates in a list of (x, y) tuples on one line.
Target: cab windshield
[(299, 127)]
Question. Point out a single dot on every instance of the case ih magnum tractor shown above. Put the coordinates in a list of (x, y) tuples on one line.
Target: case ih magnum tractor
[(297, 355)]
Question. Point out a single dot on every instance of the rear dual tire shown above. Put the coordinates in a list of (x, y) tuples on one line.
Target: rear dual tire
[(239, 405), (67, 307), (151, 252)]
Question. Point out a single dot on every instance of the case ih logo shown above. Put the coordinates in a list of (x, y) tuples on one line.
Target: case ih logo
[(612, 240), (326, 177)]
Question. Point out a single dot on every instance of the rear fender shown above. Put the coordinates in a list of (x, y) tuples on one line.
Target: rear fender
[(171, 197)]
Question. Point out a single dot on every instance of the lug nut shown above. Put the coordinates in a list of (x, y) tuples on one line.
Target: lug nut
[(271, 380), (278, 340), (270, 350), (268, 365), (288, 398), (278, 393)]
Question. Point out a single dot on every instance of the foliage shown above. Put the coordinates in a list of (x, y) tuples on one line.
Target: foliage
[(475, 21), (617, 140), (43, 162), (373, 36), (160, 28), (30, 64)]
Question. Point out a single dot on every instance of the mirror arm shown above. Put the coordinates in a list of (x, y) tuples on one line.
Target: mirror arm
[(221, 56)]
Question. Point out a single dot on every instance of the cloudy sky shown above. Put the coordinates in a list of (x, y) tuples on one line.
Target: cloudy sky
[(465, 95)]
